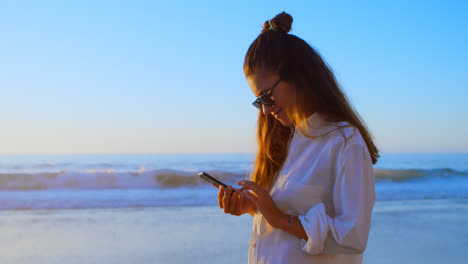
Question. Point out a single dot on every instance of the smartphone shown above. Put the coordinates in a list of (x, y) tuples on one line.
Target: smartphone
[(210, 179)]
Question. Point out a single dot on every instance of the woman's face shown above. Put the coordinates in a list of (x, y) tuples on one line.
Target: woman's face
[(260, 83)]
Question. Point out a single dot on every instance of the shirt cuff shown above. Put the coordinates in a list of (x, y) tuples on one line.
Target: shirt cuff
[(315, 225)]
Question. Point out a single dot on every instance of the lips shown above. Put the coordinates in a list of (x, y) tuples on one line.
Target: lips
[(276, 114)]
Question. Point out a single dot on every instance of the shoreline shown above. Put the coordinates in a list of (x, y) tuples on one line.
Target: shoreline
[(402, 231), (382, 203)]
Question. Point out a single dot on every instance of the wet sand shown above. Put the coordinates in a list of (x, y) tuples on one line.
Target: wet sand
[(419, 231)]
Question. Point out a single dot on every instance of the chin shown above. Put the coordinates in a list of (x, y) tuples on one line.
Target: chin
[(286, 124)]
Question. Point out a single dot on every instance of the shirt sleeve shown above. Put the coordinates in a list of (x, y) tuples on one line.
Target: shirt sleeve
[(353, 201)]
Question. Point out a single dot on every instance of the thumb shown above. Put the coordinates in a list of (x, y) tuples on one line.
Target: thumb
[(252, 197)]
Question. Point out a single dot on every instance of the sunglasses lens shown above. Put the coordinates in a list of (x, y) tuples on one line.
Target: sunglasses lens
[(266, 101), (263, 100), (257, 104)]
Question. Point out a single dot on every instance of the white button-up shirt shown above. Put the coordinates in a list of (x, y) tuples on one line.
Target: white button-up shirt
[(329, 184)]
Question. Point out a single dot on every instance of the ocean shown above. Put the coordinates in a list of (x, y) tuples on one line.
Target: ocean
[(155, 209), (29, 182)]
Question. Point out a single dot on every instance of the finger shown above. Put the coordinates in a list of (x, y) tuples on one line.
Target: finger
[(233, 203), (240, 203), (250, 185), (252, 197), (214, 186), (226, 199), (220, 196)]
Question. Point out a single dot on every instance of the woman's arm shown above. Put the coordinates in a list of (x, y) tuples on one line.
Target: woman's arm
[(353, 199), (347, 231), (295, 227)]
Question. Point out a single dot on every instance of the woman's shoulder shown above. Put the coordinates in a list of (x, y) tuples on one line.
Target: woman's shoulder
[(349, 141), (346, 134), (335, 135)]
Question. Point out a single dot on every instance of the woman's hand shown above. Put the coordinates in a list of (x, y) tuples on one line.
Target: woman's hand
[(234, 202), (263, 202)]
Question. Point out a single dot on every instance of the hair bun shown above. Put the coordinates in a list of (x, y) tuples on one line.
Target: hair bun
[(281, 22)]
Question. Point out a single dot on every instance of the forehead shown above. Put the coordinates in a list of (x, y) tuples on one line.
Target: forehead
[(261, 82)]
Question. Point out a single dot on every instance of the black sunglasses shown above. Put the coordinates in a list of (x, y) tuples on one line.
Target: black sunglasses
[(265, 99)]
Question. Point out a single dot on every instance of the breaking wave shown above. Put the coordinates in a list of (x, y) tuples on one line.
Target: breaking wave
[(108, 179), (162, 179)]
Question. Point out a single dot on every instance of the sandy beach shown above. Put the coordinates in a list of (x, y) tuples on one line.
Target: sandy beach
[(417, 231)]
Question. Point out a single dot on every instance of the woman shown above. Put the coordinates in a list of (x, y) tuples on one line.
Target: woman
[(313, 182)]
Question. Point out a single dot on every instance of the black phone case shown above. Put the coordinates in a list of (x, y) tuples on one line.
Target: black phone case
[(210, 179)]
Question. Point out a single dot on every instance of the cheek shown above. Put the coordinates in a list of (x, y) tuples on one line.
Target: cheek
[(286, 100)]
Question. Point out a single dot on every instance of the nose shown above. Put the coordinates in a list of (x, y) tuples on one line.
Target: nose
[(267, 109)]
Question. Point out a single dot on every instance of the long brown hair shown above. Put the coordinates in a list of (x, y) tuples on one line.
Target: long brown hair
[(296, 62)]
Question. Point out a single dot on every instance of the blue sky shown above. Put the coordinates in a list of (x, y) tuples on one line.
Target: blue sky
[(166, 76)]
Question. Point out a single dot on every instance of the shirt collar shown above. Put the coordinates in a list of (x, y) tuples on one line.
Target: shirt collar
[(316, 125)]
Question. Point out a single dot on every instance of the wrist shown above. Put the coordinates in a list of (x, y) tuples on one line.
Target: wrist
[(282, 221)]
